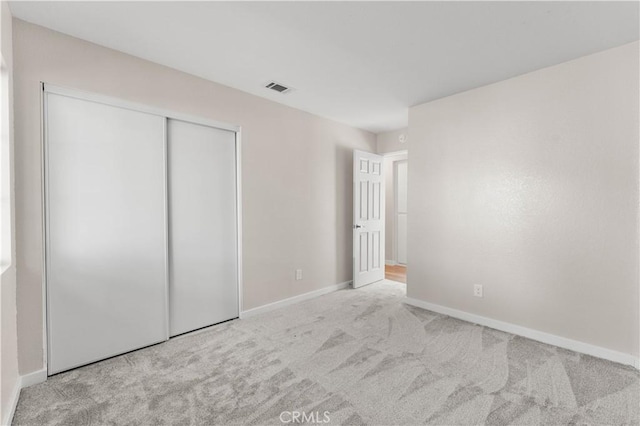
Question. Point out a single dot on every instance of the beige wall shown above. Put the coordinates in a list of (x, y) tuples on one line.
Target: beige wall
[(9, 343), (296, 170), (530, 188), (390, 141)]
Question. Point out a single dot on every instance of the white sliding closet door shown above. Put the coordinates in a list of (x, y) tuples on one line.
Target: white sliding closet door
[(106, 231), (202, 226)]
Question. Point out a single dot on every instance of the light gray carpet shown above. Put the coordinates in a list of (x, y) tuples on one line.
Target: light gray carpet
[(362, 355)]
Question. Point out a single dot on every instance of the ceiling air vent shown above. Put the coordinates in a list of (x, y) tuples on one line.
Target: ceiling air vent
[(280, 88)]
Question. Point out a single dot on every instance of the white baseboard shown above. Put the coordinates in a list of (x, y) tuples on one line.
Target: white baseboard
[(293, 300), (33, 378), (551, 339), (15, 394), (390, 262), (22, 382)]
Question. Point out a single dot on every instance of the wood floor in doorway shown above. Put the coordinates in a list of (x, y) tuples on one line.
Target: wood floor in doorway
[(396, 273)]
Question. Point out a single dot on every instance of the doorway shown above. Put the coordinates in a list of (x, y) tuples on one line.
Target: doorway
[(396, 171), (379, 217)]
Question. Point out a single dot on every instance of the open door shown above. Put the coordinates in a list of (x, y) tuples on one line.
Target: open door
[(368, 218)]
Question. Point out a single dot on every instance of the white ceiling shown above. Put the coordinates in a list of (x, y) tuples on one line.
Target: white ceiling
[(361, 63)]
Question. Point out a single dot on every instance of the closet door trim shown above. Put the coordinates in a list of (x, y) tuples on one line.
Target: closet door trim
[(111, 101)]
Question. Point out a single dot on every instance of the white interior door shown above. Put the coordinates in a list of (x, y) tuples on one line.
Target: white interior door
[(106, 231), (368, 223), (202, 226), (401, 211)]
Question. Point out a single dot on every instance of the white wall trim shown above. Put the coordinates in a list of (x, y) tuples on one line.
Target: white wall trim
[(540, 336), (293, 300), (13, 403), (400, 153), (239, 218), (33, 378), (390, 262), (25, 381)]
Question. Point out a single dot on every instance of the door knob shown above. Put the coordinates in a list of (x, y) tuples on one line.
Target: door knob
[(358, 226)]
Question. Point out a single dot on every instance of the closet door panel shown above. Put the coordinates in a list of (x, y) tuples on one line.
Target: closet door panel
[(202, 226), (106, 231)]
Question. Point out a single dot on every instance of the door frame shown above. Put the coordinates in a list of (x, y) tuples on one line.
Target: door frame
[(45, 89), (394, 182), (396, 234)]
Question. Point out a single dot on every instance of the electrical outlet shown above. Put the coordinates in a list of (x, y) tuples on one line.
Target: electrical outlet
[(477, 290), (298, 274)]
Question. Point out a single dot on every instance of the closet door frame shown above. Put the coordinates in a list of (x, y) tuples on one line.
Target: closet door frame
[(45, 89)]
